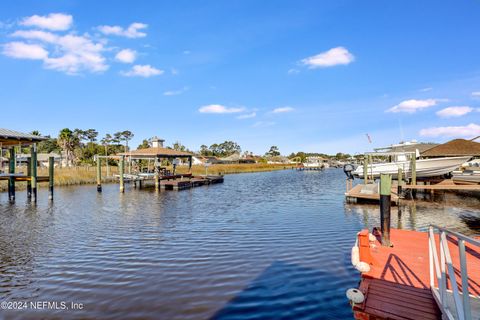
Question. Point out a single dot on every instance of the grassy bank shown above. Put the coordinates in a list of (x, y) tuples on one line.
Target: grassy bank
[(88, 175)]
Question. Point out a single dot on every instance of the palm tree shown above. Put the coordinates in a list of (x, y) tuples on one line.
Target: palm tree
[(67, 140)]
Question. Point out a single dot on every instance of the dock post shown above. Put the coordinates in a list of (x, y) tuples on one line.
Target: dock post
[(33, 152), (121, 169), (385, 204), (11, 179), (99, 174), (51, 165), (400, 181), (29, 181), (413, 169), (365, 170)]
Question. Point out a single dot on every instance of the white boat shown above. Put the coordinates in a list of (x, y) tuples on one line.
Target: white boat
[(424, 167), (466, 177), (315, 162)]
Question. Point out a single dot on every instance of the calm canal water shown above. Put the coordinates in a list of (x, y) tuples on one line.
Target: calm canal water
[(272, 245)]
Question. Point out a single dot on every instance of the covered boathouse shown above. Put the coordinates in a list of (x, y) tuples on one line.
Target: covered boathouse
[(13, 141)]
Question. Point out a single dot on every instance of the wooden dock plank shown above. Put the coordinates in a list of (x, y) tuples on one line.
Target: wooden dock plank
[(356, 194), (398, 283)]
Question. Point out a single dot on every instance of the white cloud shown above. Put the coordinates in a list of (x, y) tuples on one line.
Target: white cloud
[(426, 89), (21, 50), (175, 92), (262, 124), (330, 58), (53, 21), (476, 93), (412, 105), (145, 71), (72, 53), (218, 108), (126, 56), (456, 111), (131, 32), (283, 110), (44, 36), (293, 71), (470, 130), (247, 116)]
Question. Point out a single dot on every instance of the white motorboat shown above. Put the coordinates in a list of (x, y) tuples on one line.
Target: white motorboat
[(424, 167), (467, 177)]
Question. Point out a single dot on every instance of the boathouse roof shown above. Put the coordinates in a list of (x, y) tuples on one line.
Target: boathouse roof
[(12, 138), (157, 153), (457, 147)]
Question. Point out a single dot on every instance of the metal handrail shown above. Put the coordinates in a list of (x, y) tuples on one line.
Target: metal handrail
[(439, 269)]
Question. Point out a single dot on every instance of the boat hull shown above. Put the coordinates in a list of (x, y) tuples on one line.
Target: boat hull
[(424, 167)]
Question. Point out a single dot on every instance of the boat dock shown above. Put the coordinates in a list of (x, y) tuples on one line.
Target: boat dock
[(172, 182), (368, 193), (412, 274), (405, 280)]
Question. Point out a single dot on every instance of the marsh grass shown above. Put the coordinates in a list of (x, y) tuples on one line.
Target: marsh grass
[(88, 175)]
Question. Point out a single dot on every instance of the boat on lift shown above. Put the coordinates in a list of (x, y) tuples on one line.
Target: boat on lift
[(433, 167)]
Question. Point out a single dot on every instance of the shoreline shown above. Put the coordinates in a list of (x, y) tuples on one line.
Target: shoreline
[(88, 175)]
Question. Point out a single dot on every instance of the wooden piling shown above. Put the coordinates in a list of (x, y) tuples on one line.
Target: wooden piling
[(11, 180), (400, 181), (413, 169), (385, 205), (51, 165), (121, 169), (29, 174), (33, 152), (99, 174), (365, 170)]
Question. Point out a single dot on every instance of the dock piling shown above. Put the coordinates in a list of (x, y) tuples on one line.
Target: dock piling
[(413, 169), (365, 170), (51, 164), (29, 182), (11, 180), (99, 174), (33, 152), (385, 206), (121, 169), (400, 181)]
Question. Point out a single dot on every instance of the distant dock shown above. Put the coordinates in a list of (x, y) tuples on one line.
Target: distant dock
[(172, 182)]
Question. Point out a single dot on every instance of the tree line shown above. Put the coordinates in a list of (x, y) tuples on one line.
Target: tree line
[(80, 146)]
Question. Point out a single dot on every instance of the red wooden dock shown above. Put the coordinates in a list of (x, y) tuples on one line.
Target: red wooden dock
[(398, 283)]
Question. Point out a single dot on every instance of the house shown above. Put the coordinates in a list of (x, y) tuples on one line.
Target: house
[(202, 160), (453, 148), (42, 159), (278, 160)]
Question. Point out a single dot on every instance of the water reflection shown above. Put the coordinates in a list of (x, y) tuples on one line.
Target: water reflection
[(454, 211), (263, 245)]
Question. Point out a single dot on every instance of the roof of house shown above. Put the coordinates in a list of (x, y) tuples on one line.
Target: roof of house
[(233, 157), (457, 147), (156, 152), (11, 138)]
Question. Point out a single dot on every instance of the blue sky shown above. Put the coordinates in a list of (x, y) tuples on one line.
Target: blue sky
[(311, 76)]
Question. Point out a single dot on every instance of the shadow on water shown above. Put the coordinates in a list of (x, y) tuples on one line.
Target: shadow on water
[(286, 291)]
